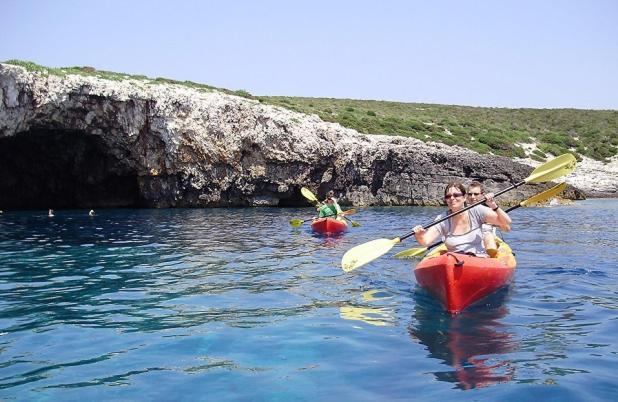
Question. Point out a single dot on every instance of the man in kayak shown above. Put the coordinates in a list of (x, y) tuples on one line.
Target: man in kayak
[(475, 193), (462, 233), (329, 206)]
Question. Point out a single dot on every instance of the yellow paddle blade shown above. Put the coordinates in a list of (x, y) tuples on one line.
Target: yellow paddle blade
[(308, 194), (544, 196), (557, 167), (296, 222), (366, 252), (411, 252)]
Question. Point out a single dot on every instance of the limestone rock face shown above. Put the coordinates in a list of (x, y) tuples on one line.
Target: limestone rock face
[(83, 141)]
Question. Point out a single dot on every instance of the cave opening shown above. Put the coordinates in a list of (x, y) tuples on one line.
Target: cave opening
[(43, 168), (296, 199)]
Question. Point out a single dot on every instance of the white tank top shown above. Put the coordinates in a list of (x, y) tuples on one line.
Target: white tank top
[(470, 242)]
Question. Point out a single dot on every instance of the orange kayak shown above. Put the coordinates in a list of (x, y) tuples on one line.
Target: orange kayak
[(459, 280), (329, 226)]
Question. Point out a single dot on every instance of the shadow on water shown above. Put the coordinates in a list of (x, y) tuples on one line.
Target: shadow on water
[(473, 342)]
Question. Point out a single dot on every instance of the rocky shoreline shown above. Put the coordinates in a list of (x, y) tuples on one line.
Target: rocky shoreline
[(596, 179), (83, 141)]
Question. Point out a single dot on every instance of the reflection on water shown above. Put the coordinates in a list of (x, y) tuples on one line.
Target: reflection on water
[(473, 343), (375, 316), (378, 316)]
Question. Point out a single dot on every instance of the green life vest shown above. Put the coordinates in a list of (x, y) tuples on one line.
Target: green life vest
[(328, 210)]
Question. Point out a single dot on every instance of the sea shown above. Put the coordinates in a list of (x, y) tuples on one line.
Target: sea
[(239, 305)]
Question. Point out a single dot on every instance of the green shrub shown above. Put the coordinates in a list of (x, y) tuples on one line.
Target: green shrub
[(448, 141), (552, 149), (416, 125), (243, 93), (480, 147), (538, 153), (518, 151), (602, 151), (460, 132), (495, 142)]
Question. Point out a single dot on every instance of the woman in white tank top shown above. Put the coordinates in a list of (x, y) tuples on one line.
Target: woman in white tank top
[(462, 232)]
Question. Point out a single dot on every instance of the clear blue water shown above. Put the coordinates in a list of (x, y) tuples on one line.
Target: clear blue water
[(235, 305)]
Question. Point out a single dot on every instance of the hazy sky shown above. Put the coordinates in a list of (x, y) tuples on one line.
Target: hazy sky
[(505, 53)]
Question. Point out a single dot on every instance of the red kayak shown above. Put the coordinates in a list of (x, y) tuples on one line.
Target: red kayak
[(329, 226), (458, 280)]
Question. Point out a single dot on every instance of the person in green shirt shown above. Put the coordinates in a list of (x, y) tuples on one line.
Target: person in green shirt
[(329, 207)]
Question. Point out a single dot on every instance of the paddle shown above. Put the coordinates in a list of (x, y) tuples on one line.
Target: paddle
[(539, 198), (367, 252), (297, 222), (311, 197), (354, 223)]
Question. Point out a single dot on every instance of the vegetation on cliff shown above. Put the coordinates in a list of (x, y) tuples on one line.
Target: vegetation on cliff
[(110, 75), (508, 132)]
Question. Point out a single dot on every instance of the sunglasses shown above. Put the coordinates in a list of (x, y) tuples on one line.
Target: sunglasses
[(454, 195), (471, 193)]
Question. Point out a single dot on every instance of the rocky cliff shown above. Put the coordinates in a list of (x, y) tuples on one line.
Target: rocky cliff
[(83, 141)]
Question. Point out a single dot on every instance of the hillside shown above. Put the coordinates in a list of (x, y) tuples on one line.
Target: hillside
[(507, 132), (517, 133)]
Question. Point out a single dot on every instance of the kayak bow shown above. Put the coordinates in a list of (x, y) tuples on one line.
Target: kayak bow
[(459, 280), (329, 226)]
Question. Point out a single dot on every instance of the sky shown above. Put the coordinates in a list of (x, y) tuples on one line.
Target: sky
[(507, 53)]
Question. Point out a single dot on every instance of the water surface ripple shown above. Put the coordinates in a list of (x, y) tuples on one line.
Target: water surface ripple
[(235, 305)]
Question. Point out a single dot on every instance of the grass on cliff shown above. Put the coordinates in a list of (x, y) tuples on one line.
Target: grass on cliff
[(109, 75), (592, 133)]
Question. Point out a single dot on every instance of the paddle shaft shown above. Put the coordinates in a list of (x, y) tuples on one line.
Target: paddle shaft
[(328, 216), (311, 219), (464, 209), (354, 223), (325, 216)]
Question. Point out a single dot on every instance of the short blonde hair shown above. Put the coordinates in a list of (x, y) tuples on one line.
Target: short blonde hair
[(475, 183)]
